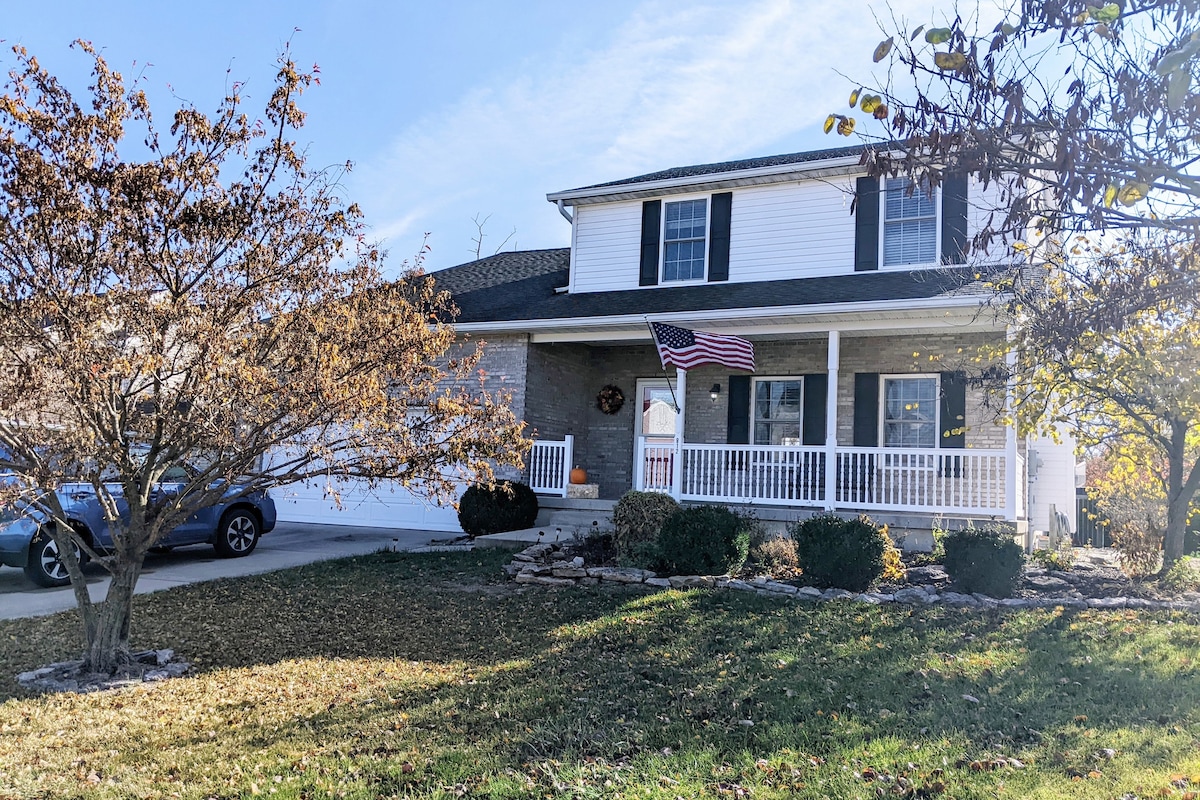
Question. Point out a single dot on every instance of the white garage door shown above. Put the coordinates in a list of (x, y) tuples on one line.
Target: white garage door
[(387, 506)]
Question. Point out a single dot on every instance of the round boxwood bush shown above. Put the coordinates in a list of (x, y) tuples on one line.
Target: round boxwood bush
[(703, 540), (984, 560), (503, 506), (637, 519), (840, 553)]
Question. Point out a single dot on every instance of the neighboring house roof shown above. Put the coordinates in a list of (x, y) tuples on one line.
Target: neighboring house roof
[(699, 170), (520, 285)]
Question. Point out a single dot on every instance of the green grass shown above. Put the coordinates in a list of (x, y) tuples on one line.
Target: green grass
[(430, 676)]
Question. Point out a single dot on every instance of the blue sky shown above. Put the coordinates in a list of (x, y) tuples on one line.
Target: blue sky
[(463, 108)]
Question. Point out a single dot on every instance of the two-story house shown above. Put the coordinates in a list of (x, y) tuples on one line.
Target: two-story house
[(866, 318)]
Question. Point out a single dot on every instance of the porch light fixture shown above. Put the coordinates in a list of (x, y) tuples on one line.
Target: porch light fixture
[(715, 392)]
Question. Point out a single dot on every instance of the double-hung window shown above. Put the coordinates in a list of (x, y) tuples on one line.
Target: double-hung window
[(777, 407), (910, 411), (684, 240), (910, 223)]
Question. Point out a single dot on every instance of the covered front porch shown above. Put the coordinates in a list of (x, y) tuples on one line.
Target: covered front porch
[(788, 436)]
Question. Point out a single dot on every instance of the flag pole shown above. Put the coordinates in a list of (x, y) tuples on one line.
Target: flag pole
[(670, 386)]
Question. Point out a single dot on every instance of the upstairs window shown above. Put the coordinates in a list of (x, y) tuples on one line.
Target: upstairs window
[(684, 240), (910, 225), (910, 411)]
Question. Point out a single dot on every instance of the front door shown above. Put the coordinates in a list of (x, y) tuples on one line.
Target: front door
[(654, 435)]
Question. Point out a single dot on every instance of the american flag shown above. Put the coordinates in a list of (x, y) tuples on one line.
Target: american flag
[(686, 349)]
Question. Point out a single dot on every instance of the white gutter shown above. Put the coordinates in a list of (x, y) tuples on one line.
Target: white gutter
[(624, 320), (562, 209), (694, 180)]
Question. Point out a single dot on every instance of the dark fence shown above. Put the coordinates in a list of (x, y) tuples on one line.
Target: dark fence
[(1090, 528)]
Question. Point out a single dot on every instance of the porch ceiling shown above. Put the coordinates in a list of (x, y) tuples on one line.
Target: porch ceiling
[(776, 326)]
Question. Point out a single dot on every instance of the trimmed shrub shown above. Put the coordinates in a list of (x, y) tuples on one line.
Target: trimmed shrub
[(984, 560), (703, 540), (637, 519), (506, 506), (841, 553)]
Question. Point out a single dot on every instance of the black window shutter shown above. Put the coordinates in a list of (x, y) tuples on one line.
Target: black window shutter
[(813, 416), (718, 239), (866, 409), (738, 431), (651, 220), (954, 218), (866, 225), (954, 410)]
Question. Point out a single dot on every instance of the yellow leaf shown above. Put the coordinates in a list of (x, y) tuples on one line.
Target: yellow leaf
[(854, 97), (831, 119), (937, 35), (870, 103), (949, 61), (883, 49), (846, 126), (1110, 194), (1132, 192)]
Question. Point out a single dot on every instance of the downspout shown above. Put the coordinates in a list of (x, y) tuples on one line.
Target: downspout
[(562, 209)]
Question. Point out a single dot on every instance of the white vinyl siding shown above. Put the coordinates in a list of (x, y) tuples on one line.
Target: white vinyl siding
[(797, 230), (777, 232), (608, 241)]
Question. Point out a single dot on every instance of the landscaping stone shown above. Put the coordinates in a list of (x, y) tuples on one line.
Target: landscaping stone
[(1046, 583), (778, 588), (68, 676), (692, 581), (913, 594), (808, 593), (1014, 602), (874, 598), (960, 600), (932, 573), (837, 594), (569, 572), (620, 574), (1107, 602), (662, 583)]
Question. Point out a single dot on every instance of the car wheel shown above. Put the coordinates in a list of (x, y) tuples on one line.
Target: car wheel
[(237, 534), (45, 566)]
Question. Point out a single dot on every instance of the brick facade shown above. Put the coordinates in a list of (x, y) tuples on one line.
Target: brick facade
[(554, 389)]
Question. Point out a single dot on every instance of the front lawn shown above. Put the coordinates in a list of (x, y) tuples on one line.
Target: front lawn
[(431, 676)]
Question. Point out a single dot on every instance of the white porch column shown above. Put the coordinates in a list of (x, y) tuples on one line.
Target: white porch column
[(1011, 474), (677, 457), (831, 404)]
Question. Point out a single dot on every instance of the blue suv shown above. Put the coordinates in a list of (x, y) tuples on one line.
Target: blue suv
[(232, 527)]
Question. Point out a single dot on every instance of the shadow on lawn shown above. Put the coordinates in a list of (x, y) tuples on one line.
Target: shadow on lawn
[(605, 676)]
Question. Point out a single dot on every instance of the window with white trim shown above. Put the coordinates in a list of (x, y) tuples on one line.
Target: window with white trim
[(777, 408), (685, 235), (910, 223), (910, 411)]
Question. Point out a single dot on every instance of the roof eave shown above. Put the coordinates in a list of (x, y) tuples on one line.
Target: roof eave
[(623, 320), (780, 173)]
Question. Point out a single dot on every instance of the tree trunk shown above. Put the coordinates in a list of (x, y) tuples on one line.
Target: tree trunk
[(1178, 499), (108, 637)]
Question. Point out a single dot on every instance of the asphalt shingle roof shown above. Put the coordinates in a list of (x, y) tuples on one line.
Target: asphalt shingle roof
[(699, 170), (520, 285)]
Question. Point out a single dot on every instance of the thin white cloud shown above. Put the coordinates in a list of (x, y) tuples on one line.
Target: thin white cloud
[(709, 83)]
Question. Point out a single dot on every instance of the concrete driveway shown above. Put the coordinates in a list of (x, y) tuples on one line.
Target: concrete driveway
[(290, 544)]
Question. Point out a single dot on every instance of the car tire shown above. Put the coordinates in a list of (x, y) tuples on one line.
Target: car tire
[(237, 535), (44, 567)]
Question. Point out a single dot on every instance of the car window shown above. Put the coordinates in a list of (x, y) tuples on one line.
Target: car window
[(176, 474)]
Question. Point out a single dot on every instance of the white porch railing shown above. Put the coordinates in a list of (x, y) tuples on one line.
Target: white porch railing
[(964, 481), (903, 479), (550, 466), (769, 474)]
